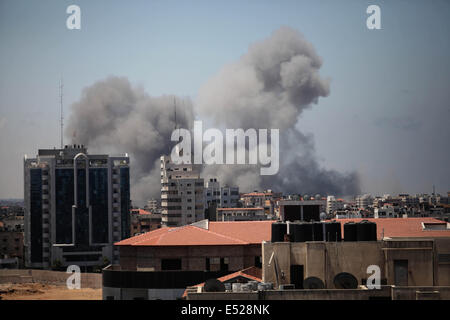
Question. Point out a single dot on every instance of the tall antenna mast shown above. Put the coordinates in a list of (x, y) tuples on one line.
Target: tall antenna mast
[(175, 110), (61, 111)]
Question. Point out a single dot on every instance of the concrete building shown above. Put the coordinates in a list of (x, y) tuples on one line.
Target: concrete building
[(160, 264), (212, 193), (334, 204), (76, 206), (11, 247), (385, 212), (229, 197), (267, 199), (144, 221), (364, 201), (182, 199), (409, 252), (153, 205), (217, 196)]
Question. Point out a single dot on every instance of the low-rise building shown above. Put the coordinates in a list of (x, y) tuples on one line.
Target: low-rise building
[(11, 246), (183, 256), (144, 221), (409, 252)]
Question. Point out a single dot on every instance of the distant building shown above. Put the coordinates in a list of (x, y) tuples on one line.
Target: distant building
[(144, 221), (215, 195), (153, 205), (364, 201), (182, 199), (241, 214), (266, 199), (76, 206), (385, 212), (11, 247), (334, 204)]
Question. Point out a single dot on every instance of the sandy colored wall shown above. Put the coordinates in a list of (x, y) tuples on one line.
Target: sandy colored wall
[(88, 280)]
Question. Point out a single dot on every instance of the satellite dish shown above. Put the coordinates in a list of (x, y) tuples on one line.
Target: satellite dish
[(214, 285), (345, 280), (313, 283)]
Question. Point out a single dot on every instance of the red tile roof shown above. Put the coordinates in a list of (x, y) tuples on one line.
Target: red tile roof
[(251, 273), (402, 227), (140, 211), (218, 233)]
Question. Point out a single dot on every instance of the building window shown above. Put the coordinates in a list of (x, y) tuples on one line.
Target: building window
[(170, 264), (224, 264), (258, 262), (207, 265)]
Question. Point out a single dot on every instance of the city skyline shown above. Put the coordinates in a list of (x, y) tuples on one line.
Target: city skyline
[(385, 116)]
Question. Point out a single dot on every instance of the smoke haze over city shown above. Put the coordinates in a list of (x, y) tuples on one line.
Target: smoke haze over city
[(359, 110)]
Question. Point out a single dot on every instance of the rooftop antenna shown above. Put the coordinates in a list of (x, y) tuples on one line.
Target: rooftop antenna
[(61, 110), (176, 124), (175, 110)]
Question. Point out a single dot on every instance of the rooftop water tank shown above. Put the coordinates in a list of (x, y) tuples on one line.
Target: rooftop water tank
[(350, 231), (279, 229)]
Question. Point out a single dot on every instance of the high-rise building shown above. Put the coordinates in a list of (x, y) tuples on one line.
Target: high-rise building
[(76, 206), (182, 200)]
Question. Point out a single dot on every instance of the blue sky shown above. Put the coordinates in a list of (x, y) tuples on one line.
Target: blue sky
[(386, 116)]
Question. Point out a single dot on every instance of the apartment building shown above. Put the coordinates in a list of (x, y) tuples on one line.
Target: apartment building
[(182, 193)]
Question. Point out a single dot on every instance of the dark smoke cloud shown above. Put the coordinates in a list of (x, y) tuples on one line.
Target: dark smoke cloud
[(269, 87), (114, 117)]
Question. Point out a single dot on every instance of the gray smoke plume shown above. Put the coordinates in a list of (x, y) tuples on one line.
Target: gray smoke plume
[(114, 117), (268, 87)]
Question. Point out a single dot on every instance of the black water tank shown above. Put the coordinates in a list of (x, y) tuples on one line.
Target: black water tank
[(317, 231), (350, 231), (306, 232), (333, 231), (294, 230), (371, 230), (364, 231), (279, 229), (301, 231)]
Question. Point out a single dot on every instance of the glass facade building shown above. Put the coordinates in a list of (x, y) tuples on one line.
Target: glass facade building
[(77, 207)]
